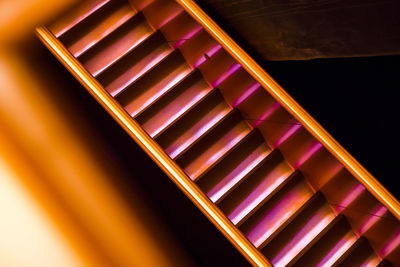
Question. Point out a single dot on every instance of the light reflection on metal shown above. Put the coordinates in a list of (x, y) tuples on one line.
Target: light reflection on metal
[(304, 236), (188, 36), (374, 218), (210, 53), (264, 117), (232, 69), (350, 197), (337, 251), (314, 148), (247, 93), (262, 190), (393, 243), (290, 132)]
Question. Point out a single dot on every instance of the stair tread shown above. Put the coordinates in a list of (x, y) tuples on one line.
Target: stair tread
[(148, 88), (283, 210), (353, 248), (75, 16), (217, 150), (180, 29), (198, 129), (340, 248), (316, 222), (271, 182), (97, 31), (324, 251), (239, 173), (116, 45), (128, 69), (359, 254), (161, 115)]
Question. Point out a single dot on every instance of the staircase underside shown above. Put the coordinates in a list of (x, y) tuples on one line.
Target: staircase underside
[(258, 166)]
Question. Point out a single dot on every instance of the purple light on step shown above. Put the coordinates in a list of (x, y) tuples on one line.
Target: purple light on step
[(248, 92), (237, 174), (376, 215), (279, 213), (199, 132), (99, 37), (188, 36), (183, 109), (291, 131), (355, 193), (391, 245), (82, 17), (311, 151), (304, 236), (170, 18), (232, 69), (337, 251), (267, 113), (260, 193), (161, 92), (116, 87), (210, 53)]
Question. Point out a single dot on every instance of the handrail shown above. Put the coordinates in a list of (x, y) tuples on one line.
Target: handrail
[(351, 164), (212, 212)]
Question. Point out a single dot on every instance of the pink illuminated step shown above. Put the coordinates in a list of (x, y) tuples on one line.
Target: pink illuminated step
[(93, 33), (271, 181), (374, 217), (338, 250), (217, 150), (359, 254), (153, 93), (275, 216), (173, 109), (199, 128), (133, 66), (84, 10), (314, 226), (240, 172), (392, 244), (154, 84), (331, 246), (116, 45)]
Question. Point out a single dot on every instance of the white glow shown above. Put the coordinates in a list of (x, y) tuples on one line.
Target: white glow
[(28, 238)]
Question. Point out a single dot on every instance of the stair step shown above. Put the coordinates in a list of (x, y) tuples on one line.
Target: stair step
[(301, 232), (198, 46), (155, 83), (277, 212), (330, 246), (214, 146), (359, 254), (135, 64), (75, 16), (234, 168), (116, 45), (268, 178), (194, 125), (174, 105), (180, 29), (96, 27), (161, 12)]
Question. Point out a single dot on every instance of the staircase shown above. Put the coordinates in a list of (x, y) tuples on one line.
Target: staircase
[(282, 189)]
